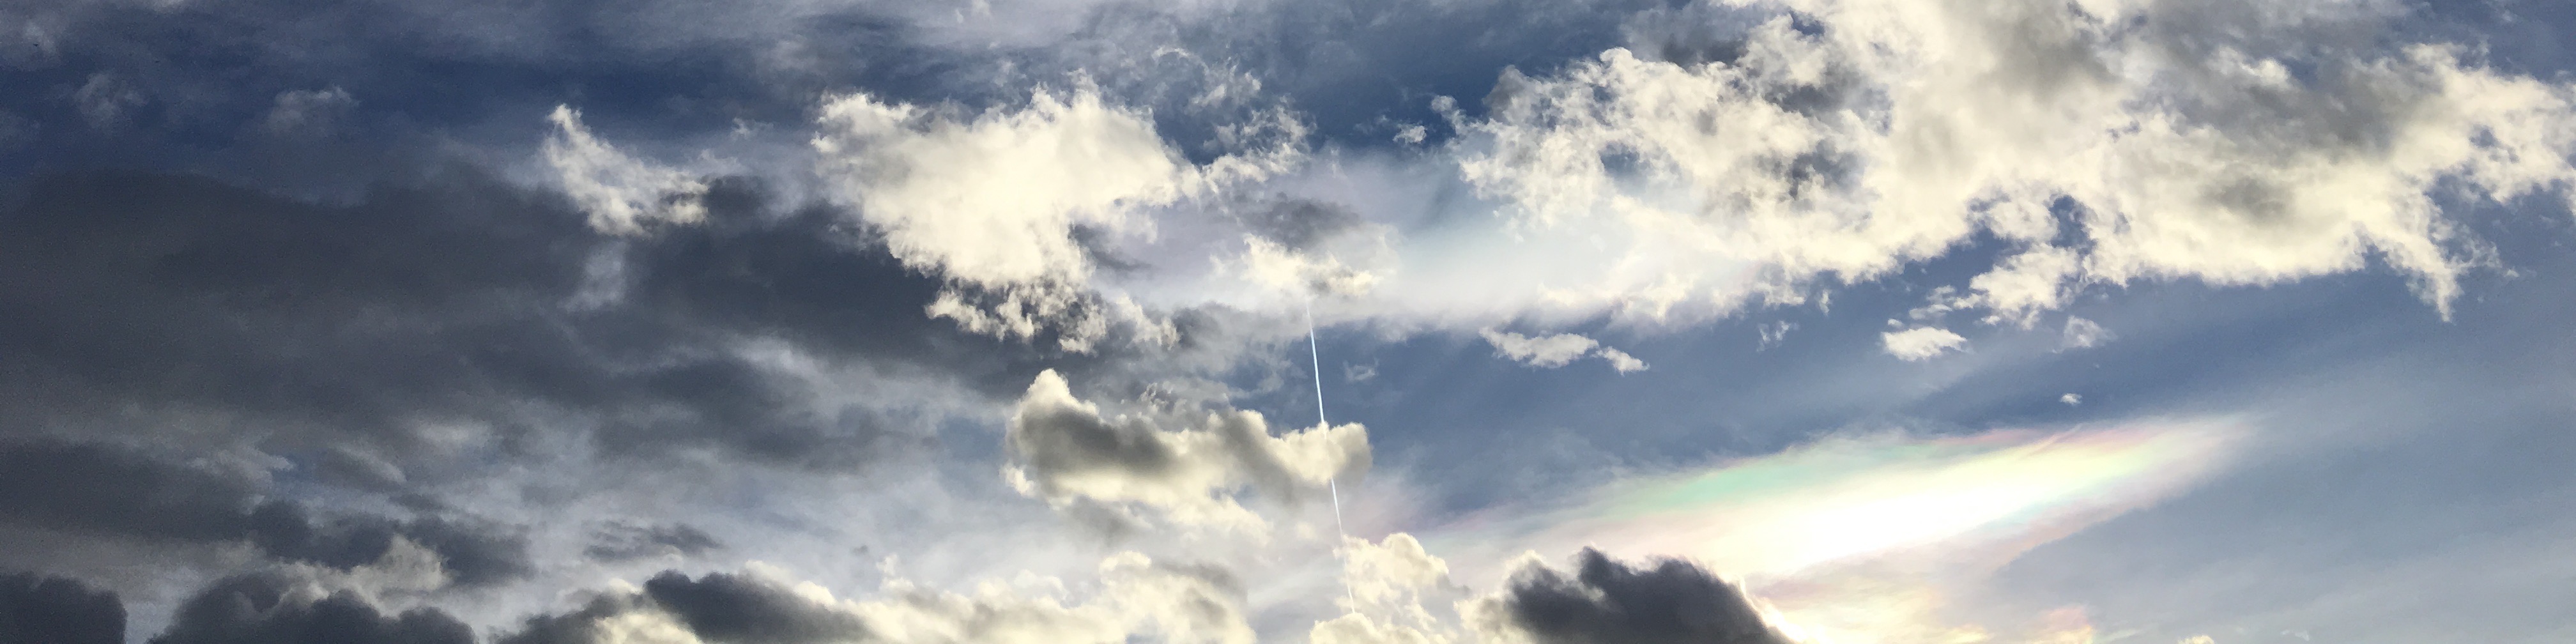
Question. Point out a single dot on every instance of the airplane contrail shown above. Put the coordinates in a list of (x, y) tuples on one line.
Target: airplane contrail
[(1315, 356)]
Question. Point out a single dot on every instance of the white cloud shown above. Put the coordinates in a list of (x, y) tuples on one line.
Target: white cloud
[(1065, 451), (1773, 333), (1621, 361), (1140, 598), (1920, 343), (1545, 352), (1275, 267), (2071, 400), (2081, 333), (1137, 598), (1389, 582), (994, 200), (1893, 131), (1552, 351), (620, 193)]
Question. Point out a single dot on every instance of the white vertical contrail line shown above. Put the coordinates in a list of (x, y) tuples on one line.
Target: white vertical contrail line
[(1315, 356)]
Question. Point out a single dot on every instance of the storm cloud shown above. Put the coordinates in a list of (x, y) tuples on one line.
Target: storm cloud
[(44, 608)]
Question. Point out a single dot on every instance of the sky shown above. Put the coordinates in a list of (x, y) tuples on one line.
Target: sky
[(1330, 321)]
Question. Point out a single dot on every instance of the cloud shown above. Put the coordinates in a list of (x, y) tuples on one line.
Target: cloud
[(1389, 584), (264, 607), (434, 320), (1549, 352), (1608, 602), (2081, 333), (1773, 333), (2071, 399), (620, 542), (55, 610), (1065, 451), (98, 489), (1544, 352), (309, 112), (1621, 361), (1920, 343), (106, 99), (620, 193), (1138, 598), (997, 201), (1845, 139)]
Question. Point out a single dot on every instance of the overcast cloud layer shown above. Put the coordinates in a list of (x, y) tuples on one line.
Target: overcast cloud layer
[(1423, 322)]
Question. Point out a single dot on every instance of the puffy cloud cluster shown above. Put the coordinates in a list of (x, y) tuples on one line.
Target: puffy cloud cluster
[(1389, 584), (2100, 142), (1002, 201), (1064, 450)]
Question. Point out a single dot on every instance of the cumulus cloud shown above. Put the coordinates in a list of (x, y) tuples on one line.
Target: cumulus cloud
[(1608, 602), (1920, 343), (620, 193), (1064, 450), (716, 607), (1392, 584), (1862, 135), (56, 610), (1552, 351), (997, 201), (1138, 597), (274, 607)]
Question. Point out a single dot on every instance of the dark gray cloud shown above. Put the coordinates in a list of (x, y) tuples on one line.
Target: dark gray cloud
[(344, 328), (725, 607), (103, 489), (273, 609), (619, 541), (717, 607), (108, 490), (1608, 602), (53, 610)]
